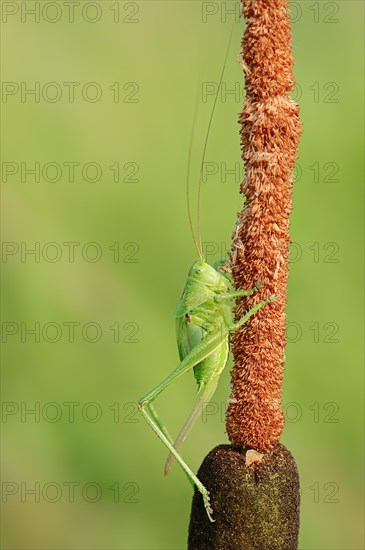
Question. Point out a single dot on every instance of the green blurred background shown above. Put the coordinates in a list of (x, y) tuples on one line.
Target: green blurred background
[(105, 314)]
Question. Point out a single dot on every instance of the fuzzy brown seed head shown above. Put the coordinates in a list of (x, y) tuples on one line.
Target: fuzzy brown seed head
[(269, 138), (266, 48)]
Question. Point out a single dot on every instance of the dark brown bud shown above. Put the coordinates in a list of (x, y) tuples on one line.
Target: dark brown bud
[(255, 505)]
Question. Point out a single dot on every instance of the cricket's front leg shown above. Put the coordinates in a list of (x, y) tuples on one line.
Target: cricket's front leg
[(238, 293)]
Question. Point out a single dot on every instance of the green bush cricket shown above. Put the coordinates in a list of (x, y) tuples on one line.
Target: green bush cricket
[(204, 323)]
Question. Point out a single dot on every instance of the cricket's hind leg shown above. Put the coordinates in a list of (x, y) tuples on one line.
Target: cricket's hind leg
[(202, 350)]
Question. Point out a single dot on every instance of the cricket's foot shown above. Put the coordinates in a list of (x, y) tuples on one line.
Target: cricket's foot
[(206, 500)]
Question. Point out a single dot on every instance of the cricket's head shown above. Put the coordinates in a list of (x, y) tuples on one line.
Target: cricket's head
[(206, 274)]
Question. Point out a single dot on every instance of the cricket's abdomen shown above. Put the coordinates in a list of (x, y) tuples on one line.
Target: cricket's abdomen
[(189, 335), (212, 366)]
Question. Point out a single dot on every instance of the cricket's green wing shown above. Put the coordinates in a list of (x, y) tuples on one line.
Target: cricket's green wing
[(194, 295), (188, 336)]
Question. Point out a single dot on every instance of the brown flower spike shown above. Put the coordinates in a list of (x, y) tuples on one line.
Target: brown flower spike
[(254, 482), (269, 138)]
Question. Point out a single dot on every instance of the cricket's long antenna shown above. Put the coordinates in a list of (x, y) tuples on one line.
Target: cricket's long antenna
[(188, 174), (206, 140)]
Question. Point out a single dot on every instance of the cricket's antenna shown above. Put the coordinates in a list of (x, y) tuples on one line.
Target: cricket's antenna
[(200, 246), (188, 175)]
